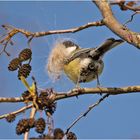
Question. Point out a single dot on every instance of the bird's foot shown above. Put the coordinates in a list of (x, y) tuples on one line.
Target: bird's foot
[(77, 89), (99, 86)]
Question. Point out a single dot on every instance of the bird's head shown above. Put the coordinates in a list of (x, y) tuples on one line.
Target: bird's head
[(62, 50)]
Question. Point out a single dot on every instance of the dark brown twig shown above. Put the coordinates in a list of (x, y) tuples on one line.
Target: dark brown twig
[(131, 18), (86, 112)]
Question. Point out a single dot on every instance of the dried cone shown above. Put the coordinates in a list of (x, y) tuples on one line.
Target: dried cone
[(27, 96), (24, 70), (46, 104), (71, 135), (25, 54), (51, 109), (58, 133), (10, 118), (44, 100), (14, 64), (22, 126), (40, 125)]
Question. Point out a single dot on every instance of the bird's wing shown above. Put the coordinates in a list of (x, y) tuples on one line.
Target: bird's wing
[(95, 53), (79, 53)]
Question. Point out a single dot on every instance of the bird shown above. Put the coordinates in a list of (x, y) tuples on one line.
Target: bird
[(79, 64)]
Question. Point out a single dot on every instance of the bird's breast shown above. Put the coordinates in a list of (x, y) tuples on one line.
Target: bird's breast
[(83, 70), (72, 69)]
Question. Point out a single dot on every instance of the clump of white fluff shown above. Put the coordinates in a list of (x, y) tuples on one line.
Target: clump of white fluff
[(56, 59)]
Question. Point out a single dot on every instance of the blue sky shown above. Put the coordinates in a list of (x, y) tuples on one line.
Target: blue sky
[(118, 116)]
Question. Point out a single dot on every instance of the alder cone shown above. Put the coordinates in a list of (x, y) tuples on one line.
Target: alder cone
[(25, 54)]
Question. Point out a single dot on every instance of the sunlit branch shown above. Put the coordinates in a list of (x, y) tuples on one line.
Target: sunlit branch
[(12, 31), (11, 99), (21, 110), (98, 90), (113, 24), (82, 91), (32, 115)]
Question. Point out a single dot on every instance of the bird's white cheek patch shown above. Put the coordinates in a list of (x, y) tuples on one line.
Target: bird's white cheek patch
[(71, 49)]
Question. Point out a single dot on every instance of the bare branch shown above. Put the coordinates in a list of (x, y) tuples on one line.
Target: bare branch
[(32, 115), (112, 23), (72, 30), (86, 112), (128, 6), (135, 9), (11, 100), (97, 90), (78, 92), (17, 112), (6, 39)]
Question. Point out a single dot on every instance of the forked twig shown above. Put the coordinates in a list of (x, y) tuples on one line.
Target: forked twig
[(86, 112), (6, 38)]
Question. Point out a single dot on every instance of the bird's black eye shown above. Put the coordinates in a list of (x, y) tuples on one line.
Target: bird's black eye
[(69, 44)]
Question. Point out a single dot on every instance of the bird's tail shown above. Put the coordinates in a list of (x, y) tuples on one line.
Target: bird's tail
[(105, 47)]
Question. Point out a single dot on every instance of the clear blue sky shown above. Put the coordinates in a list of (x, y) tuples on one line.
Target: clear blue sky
[(116, 117)]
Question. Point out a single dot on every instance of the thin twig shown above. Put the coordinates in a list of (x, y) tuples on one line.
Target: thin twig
[(86, 112), (34, 109), (131, 18), (128, 6), (50, 124), (32, 114), (6, 38), (134, 8), (17, 111)]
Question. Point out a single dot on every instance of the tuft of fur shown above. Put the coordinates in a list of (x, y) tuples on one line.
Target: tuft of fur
[(56, 59)]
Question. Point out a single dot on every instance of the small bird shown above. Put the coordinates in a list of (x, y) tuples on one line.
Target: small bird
[(79, 64)]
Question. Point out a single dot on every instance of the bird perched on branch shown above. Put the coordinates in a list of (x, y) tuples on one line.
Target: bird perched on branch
[(79, 64)]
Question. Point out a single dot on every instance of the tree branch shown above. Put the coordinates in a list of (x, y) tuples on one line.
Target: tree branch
[(78, 92), (128, 6), (112, 23), (97, 90), (74, 93), (86, 112), (11, 99), (17, 112), (131, 18), (12, 31), (32, 115)]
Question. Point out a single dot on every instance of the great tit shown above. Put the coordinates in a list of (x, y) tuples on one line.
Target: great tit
[(79, 64)]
